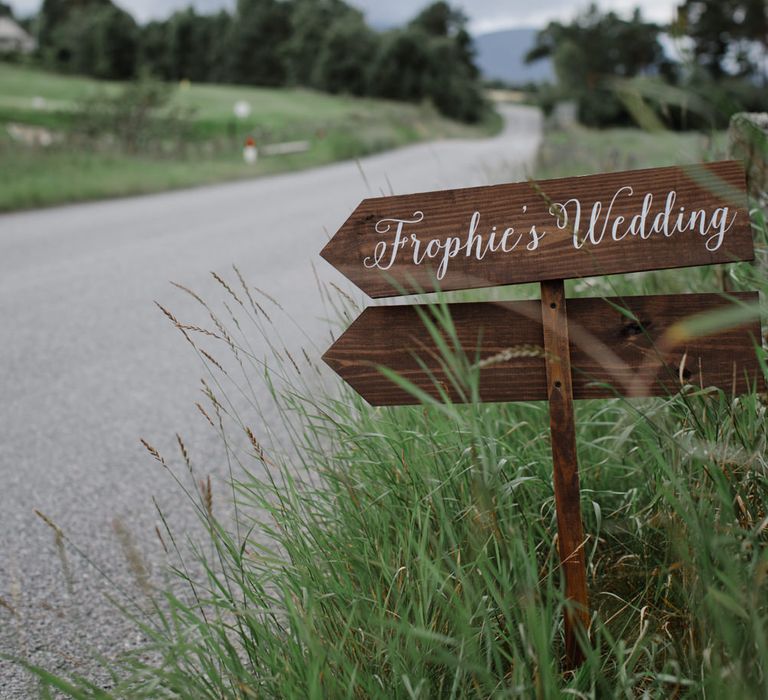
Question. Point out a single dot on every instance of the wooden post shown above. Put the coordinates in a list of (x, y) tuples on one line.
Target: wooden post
[(566, 468)]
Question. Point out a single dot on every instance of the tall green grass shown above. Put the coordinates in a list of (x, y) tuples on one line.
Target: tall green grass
[(411, 552)]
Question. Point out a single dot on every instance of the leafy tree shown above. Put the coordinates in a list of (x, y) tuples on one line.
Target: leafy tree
[(101, 41), (452, 85), (218, 28), (726, 30), (400, 66), (53, 15), (153, 55), (342, 62), (310, 21), (431, 58), (257, 42), (592, 50), (187, 45), (440, 19), (6, 10)]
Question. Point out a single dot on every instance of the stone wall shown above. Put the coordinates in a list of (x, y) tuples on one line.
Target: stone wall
[(748, 141)]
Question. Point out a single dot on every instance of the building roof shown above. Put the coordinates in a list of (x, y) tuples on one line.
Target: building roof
[(12, 35)]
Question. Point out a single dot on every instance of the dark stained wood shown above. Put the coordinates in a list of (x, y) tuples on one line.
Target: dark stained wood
[(570, 535), (611, 354), (447, 214)]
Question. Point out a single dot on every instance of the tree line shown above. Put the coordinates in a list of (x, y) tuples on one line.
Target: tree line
[(327, 45), (322, 44)]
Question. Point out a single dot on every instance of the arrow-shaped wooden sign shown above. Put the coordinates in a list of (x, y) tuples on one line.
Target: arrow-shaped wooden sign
[(547, 232), (554, 229), (630, 346)]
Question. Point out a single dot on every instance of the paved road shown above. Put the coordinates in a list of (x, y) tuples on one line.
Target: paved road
[(88, 365)]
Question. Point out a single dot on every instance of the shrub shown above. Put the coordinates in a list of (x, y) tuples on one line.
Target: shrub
[(139, 118)]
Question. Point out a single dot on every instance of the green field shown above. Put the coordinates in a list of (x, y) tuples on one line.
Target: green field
[(337, 127)]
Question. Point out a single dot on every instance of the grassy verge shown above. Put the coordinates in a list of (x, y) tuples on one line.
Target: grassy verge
[(583, 151), (336, 128), (410, 552)]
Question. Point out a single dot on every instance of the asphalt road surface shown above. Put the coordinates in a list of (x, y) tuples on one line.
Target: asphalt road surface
[(88, 365)]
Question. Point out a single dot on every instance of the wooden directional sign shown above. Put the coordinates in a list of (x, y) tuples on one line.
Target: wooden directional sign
[(555, 229), (618, 347), (597, 348)]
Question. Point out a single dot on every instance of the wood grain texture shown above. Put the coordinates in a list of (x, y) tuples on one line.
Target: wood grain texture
[(570, 534), (446, 215), (611, 354)]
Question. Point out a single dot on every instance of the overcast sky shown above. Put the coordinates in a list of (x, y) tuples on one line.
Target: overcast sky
[(485, 15)]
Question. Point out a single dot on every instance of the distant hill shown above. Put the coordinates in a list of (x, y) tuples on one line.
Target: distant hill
[(501, 56)]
